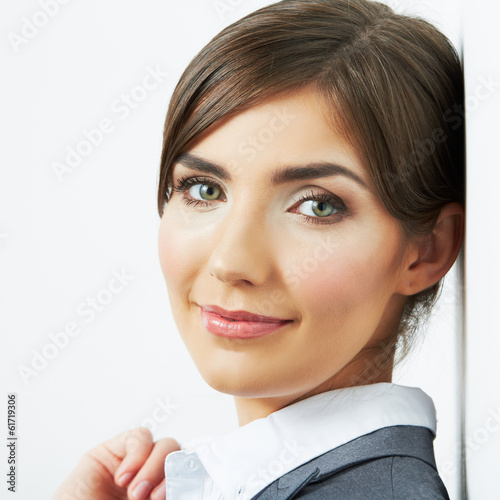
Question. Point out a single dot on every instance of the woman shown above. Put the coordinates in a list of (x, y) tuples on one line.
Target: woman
[(311, 192)]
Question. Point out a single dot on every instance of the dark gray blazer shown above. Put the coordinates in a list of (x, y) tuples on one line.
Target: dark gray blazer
[(394, 463)]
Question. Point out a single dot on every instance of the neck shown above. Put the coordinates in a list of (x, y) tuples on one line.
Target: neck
[(250, 409), (358, 372)]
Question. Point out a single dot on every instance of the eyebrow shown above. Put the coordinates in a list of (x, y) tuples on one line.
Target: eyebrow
[(313, 170)]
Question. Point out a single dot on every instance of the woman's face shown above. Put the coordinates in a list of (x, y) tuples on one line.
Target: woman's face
[(318, 249)]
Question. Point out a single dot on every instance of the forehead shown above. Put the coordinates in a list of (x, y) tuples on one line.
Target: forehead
[(293, 129)]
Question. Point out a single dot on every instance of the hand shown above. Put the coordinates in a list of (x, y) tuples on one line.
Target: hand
[(127, 467)]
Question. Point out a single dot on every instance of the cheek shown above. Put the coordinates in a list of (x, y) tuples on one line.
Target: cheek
[(333, 289), (344, 282), (168, 252), (178, 251)]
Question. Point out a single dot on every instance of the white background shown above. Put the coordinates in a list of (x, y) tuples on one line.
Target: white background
[(482, 432), (61, 241)]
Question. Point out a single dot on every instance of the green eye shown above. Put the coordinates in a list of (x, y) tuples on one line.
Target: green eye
[(207, 191), (321, 208)]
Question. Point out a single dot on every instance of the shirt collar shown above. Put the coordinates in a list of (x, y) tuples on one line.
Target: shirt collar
[(246, 460)]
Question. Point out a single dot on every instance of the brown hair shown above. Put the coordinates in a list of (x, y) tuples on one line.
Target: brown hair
[(391, 81)]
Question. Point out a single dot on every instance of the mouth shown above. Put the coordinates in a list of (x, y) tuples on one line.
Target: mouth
[(241, 315), (239, 324)]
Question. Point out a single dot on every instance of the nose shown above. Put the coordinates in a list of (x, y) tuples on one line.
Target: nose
[(242, 250)]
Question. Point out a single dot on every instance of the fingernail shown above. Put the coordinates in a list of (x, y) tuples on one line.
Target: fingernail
[(124, 479), (141, 491), (159, 492)]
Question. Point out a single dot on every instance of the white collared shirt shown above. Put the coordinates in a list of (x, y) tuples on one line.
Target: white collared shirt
[(239, 464)]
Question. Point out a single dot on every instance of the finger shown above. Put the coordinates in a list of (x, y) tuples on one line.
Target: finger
[(134, 446), (110, 454), (96, 473), (86, 480), (159, 492), (152, 472)]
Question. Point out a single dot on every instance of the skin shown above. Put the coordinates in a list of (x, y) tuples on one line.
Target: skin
[(252, 242), (343, 284)]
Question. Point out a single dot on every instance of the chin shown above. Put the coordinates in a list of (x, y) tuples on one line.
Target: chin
[(241, 385), (246, 384)]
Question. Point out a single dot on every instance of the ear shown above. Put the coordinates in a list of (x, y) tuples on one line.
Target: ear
[(433, 255)]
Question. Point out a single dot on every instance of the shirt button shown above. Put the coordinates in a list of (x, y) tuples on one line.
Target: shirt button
[(192, 464)]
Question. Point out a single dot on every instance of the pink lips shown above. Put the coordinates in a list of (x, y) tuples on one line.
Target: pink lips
[(238, 324)]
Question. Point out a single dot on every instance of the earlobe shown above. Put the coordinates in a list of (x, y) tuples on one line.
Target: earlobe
[(433, 256)]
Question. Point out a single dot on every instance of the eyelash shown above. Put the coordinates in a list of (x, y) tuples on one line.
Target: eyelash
[(185, 183)]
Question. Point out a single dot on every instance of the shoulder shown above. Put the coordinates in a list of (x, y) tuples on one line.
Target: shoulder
[(416, 479), (394, 462), (388, 478)]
